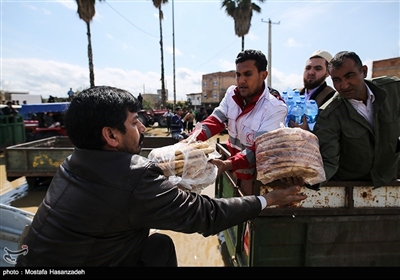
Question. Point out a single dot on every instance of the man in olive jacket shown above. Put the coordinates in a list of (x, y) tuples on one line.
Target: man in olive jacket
[(359, 130)]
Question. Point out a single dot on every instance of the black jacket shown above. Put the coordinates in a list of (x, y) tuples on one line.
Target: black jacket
[(322, 94), (101, 205), (9, 111)]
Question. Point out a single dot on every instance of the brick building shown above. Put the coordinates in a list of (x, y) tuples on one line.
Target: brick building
[(214, 86), (386, 67)]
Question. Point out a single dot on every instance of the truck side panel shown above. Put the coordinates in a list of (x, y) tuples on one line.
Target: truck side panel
[(41, 158), (345, 223), (326, 241)]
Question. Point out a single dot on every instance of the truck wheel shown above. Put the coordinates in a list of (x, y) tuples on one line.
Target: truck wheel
[(162, 122), (143, 120)]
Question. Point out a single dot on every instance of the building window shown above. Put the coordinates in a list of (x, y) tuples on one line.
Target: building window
[(205, 84), (215, 96), (205, 96), (215, 83)]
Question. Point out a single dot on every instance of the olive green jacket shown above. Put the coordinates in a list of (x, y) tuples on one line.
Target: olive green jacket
[(350, 148)]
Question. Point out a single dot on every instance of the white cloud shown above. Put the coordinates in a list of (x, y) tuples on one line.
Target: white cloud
[(46, 12), (282, 81), (226, 65), (71, 5), (171, 50), (251, 36), (292, 43), (31, 7), (46, 78), (368, 63)]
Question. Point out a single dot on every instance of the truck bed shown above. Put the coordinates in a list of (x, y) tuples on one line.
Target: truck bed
[(41, 158), (345, 223)]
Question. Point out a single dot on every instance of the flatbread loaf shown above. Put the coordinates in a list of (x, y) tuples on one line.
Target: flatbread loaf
[(283, 135), (289, 152), (186, 160), (201, 178)]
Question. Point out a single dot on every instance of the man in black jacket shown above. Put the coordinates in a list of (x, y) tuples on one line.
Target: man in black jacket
[(105, 198), (9, 110)]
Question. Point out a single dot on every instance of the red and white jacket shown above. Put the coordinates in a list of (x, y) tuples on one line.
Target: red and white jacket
[(244, 123)]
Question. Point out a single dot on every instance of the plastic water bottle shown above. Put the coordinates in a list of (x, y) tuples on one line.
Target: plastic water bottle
[(289, 92), (296, 95), (290, 104), (297, 112), (303, 102), (284, 96), (311, 113)]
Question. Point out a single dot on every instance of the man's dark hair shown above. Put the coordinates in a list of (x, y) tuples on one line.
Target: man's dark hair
[(340, 57), (95, 108), (259, 58)]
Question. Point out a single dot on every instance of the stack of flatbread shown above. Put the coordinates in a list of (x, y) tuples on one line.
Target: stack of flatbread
[(189, 161), (289, 152)]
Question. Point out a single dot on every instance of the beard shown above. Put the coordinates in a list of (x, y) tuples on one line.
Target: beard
[(313, 84), (127, 146)]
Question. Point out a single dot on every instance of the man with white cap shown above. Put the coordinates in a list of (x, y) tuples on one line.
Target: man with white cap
[(315, 87), (314, 76)]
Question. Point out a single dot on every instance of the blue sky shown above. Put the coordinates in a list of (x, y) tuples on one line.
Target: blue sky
[(44, 43)]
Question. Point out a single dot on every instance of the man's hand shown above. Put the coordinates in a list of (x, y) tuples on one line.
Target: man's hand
[(222, 165), (293, 181), (284, 196), (304, 125)]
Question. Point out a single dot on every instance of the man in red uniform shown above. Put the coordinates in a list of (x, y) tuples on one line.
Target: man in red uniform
[(248, 109)]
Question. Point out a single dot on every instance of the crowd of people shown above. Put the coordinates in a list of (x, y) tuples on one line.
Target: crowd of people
[(181, 122)]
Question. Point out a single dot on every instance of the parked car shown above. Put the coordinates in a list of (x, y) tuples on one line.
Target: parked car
[(33, 120)]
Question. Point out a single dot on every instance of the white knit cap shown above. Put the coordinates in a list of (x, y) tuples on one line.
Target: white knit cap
[(324, 54)]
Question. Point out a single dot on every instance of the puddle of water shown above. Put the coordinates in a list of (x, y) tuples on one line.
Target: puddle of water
[(14, 194)]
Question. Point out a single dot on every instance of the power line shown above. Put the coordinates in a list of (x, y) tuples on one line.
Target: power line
[(130, 21)]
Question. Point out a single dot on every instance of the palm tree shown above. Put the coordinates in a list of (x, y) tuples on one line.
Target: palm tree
[(86, 12), (157, 4), (241, 11)]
